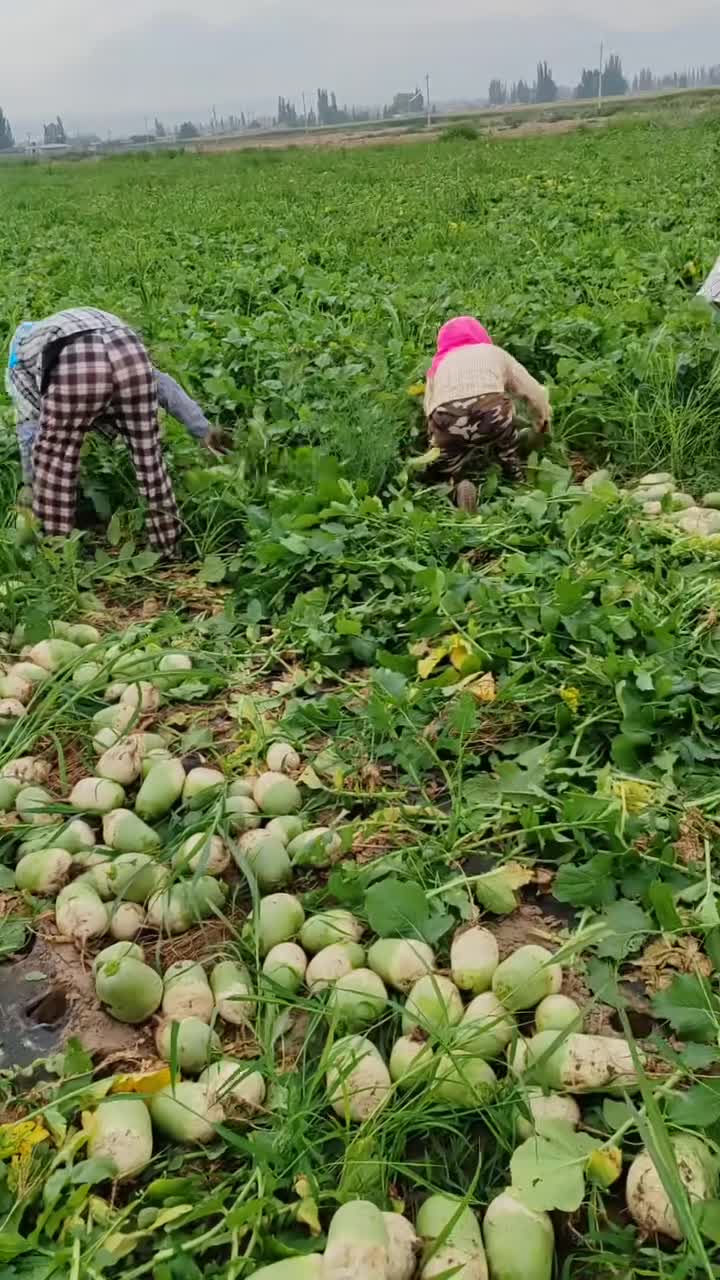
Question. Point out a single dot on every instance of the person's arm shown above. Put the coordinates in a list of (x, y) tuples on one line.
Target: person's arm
[(518, 382), (26, 433), (711, 287), (181, 406)]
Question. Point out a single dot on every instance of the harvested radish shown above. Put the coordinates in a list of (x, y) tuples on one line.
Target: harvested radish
[(122, 763), (235, 1084), (190, 1043), (433, 1005), (463, 1080), (232, 989), (519, 1242), (474, 957), (120, 1130), (82, 633), (265, 857), (126, 920), (131, 989), (486, 1027), (403, 1247), (357, 1243), (317, 847), (9, 790), (279, 918), (32, 803), (308, 1267), (547, 1107), (124, 831), (161, 789), (117, 951), (177, 909), (43, 872), (51, 655), (461, 1253), (647, 1200), (411, 1061), (526, 977), (86, 674), (184, 1113), (136, 877), (80, 914), (187, 992), (13, 686), (203, 853), (333, 963), (358, 999), (11, 710), (576, 1063), (358, 1082), (96, 795), (282, 758), (286, 965), (201, 787), (242, 813), (142, 697), (173, 663), (333, 925), (276, 795), (557, 1013), (29, 770), (401, 962), (285, 829)]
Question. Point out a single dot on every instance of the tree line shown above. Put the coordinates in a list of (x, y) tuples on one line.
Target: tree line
[(614, 83)]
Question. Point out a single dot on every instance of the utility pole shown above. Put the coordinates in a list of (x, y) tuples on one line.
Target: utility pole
[(305, 115), (429, 107), (600, 78)]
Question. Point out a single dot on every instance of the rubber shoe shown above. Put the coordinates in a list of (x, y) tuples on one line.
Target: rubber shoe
[(466, 496)]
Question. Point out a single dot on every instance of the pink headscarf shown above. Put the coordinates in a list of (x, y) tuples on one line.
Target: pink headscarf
[(463, 331)]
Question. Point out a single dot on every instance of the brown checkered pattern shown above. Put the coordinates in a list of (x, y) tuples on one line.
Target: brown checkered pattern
[(101, 376)]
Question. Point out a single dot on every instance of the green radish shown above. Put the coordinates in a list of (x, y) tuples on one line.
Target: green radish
[(474, 957), (172, 663), (712, 500), (334, 925), (558, 1013), (403, 1247), (124, 831), (242, 814), (286, 965), (357, 1000), (183, 1112), (517, 1057), (116, 718), (463, 1080), (9, 791), (452, 1239), (131, 989), (141, 696), (54, 654), (526, 977), (282, 758), (411, 1062), (29, 770), (76, 836), (318, 847), (136, 877), (544, 1107), (43, 872), (80, 914), (154, 757), (31, 804), (86, 674), (121, 763), (279, 918), (104, 739), (401, 962), (83, 633), (185, 905), (285, 829), (650, 1206), (357, 1243), (161, 789), (519, 1242), (433, 1005), (187, 992), (201, 787), (96, 795), (120, 1130), (117, 951), (114, 691), (126, 920), (265, 857), (100, 876), (332, 963), (242, 787), (232, 989), (358, 1081), (15, 687), (276, 795), (486, 1027), (190, 1043), (29, 671), (234, 1084), (576, 1063), (308, 1267), (203, 853)]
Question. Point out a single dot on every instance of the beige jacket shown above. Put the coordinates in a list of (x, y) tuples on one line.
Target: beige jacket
[(481, 370)]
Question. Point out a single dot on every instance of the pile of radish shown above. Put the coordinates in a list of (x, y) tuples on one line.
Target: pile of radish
[(456, 1030)]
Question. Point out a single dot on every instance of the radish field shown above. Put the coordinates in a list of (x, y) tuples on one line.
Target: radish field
[(358, 897)]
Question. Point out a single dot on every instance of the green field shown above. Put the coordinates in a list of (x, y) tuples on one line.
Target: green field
[(510, 718)]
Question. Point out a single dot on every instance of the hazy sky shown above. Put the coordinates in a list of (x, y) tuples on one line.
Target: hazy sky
[(107, 64)]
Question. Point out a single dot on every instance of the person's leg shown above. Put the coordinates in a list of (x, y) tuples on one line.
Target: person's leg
[(135, 409), (79, 389), (500, 431)]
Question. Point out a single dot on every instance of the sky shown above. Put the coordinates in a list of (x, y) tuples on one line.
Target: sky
[(108, 66)]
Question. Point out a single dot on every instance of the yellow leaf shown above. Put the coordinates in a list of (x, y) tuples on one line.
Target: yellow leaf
[(417, 389), (605, 1166), (20, 1138), (484, 689), (516, 875), (426, 666), (307, 1213), (459, 651), (144, 1082)]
